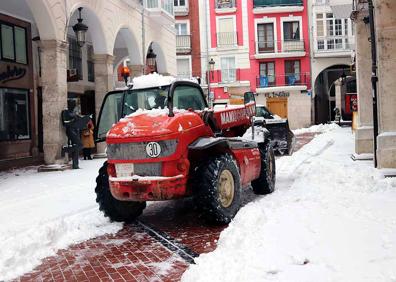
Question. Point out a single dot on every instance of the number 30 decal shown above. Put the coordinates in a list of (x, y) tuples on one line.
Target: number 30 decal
[(153, 149)]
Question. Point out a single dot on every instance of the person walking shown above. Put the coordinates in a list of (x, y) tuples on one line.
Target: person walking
[(88, 140)]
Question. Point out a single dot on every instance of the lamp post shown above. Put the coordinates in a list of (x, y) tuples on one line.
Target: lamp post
[(151, 57), (211, 69), (80, 30)]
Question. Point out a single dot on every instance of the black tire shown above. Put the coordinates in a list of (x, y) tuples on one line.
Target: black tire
[(265, 183), (219, 209), (120, 211)]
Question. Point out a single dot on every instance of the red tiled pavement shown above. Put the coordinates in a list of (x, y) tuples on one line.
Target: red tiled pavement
[(134, 255)]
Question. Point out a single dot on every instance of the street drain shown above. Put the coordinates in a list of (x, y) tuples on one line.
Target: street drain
[(170, 243)]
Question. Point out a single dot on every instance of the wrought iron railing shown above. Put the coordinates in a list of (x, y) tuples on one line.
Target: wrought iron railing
[(290, 79), (271, 3), (220, 4), (183, 43), (277, 46), (226, 39)]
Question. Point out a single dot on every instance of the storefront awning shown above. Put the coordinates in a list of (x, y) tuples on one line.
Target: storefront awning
[(340, 11)]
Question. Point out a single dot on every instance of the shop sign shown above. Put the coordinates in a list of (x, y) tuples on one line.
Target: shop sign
[(277, 94), (12, 74)]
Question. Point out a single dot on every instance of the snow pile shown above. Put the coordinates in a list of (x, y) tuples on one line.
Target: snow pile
[(41, 213), (319, 128), (152, 80), (330, 219)]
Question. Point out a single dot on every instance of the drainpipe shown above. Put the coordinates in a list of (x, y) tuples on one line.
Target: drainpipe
[(143, 42), (374, 78), (207, 52)]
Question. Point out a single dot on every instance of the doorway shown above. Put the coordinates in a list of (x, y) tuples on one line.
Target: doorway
[(278, 106)]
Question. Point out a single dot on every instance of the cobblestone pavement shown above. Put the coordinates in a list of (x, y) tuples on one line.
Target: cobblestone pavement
[(158, 247)]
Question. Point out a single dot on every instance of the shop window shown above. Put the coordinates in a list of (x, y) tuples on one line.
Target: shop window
[(75, 57), (13, 43), (14, 114), (90, 63)]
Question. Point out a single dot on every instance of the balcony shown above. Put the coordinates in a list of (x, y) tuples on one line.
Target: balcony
[(183, 43), (181, 10), (300, 81), (184, 75), (272, 3), (280, 49), (225, 6), (160, 10), (275, 6), (226, 39), (225, 76)]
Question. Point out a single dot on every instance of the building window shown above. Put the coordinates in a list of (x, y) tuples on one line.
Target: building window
[(319, 25), (90, 63), (265, 37), (291, 31), (183, 68), (292, 72), (14, 114), (228, 71), (336, 32), (178, 3), (75, 57), (226, 35), (267, 74), (13, 43), (181, 28)]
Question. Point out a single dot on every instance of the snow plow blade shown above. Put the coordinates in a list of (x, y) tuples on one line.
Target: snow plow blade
[(282, 138)]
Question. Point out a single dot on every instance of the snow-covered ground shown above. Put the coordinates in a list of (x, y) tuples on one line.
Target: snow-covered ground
[(330, 219), (43, 212)]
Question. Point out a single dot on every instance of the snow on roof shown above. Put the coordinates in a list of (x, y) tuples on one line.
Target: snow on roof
[(152, 80)]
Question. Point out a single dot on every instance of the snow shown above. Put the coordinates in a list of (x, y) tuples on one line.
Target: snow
[(320, 128), (152, 80), (258, 133), (387, 134), (41, 213), (330, 219)]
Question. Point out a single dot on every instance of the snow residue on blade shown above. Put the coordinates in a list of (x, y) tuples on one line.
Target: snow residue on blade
[(41, 213), (319, 128), (152, 80), (330, 219), (258, 134)]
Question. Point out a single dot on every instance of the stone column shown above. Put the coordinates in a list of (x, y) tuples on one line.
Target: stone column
[(364, 133), (104, 82), (385, 23), (54, 81)]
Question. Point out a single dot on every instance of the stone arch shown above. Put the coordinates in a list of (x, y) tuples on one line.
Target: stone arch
[(91, 19), (324, 89), (125, 33), (161, 60), (45, 21)]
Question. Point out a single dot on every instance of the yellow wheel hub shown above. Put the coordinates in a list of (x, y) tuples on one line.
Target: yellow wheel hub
[(226, 188)]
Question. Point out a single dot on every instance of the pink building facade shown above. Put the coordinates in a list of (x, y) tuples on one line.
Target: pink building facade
[(280, 58), (260, 46), (227, 47)]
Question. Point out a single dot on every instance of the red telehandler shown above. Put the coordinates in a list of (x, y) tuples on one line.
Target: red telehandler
[(163, 142)]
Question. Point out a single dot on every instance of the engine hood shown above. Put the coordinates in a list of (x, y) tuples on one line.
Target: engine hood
[(153, 123)]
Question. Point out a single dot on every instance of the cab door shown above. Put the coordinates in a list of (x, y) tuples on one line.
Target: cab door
[(110, 113)]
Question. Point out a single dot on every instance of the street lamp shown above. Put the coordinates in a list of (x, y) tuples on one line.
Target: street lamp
[(211, 66), (151, 58), (80, 30)]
